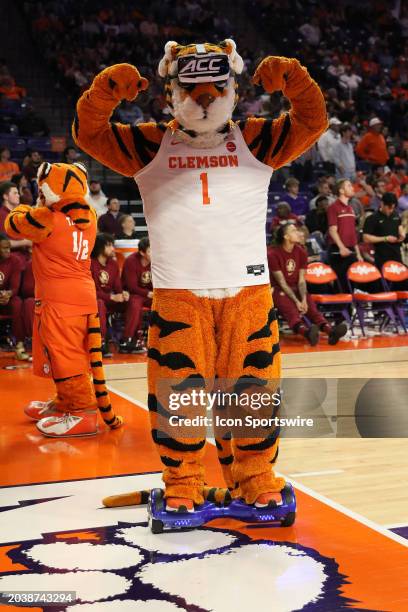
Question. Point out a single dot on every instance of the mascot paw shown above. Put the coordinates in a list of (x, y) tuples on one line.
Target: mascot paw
[(273, 73), (118, 422), (123, 81)]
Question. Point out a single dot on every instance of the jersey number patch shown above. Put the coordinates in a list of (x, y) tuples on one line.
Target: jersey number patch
[(80, 246), (204, 188)]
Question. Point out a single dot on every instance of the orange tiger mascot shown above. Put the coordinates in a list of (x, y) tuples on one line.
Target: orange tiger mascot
[(66, 334), (204, 181)]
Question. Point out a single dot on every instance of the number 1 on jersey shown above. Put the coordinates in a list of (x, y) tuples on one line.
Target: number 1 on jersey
[(204, 188)]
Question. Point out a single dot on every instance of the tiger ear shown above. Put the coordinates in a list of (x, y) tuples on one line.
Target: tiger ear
[(82, 167), (235, 60), (43, 171), (170, 52)]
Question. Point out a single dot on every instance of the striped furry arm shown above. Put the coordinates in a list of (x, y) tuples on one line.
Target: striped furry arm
[(123, 148), (34, 224), (279, 141)]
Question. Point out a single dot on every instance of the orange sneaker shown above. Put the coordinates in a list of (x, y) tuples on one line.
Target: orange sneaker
[(69, 425), (179, 504), (268, 500), (40, 410)]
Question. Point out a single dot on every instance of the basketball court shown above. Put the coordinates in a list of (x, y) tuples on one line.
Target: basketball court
[(347, 549)]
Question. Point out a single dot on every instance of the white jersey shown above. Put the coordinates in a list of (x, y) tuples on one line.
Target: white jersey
[(206, 213)]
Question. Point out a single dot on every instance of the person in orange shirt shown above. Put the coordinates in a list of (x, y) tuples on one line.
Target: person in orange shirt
[(66, 332), (372, 146), (7, 167)]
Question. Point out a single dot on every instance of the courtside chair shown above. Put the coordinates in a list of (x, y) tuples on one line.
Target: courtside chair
[(319, 273), (396, 272), (382, 302)]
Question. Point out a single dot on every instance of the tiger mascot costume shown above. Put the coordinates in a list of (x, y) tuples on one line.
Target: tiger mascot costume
[(204, 180), (66, 333)]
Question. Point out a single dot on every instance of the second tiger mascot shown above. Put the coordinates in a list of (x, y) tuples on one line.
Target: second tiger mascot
[(204, 180)]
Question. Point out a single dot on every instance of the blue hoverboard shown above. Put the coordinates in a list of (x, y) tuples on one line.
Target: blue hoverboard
[(160, 520)]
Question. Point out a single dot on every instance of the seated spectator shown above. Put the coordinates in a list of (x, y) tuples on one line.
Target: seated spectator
[(109, 223), (283, 215), (343, 154), (97, 198), (27, 293), (10, 302), (70, 155), (298, 203), (7, 167), (311, 245), (403, 199), (10, 90), (384, 231), (137, 279), (127, 224), (372, 146), (110, 295), (287, 267), (316, 219), (23, 186), (31, 163), (327, 141), (323, 189), (10, 198)]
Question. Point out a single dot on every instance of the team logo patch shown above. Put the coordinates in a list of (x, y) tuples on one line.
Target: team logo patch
[(231, 146), (103, 277), (146, 278), (290, 266)]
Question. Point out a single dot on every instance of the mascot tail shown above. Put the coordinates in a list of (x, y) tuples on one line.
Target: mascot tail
[(140, 498), (98, 375)]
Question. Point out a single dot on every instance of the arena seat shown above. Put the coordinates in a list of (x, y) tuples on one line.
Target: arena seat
[(395, 272), (319, 273), (382, 302)]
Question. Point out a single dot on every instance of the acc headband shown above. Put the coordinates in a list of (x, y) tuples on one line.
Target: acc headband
[(203, 68)]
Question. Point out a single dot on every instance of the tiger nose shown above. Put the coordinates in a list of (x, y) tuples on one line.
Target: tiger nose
[(205, 100)]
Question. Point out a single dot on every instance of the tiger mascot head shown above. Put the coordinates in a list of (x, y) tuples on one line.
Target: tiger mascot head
[(64, 188), (201, 89)]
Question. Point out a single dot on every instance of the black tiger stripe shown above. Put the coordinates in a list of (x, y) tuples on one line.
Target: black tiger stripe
[(94, 330), (160, 437), (266, 140), (110, 421), (258, 138), (169, 462), (120, 142), (273, 460), (58, 380), (112, 83), (174, 361), (162, 126), (107, 408), (97, 381), (263, 445), (227, 436), (226, 460), (100, 393), (244, 382), (261, 359), (71, 175), (13, 225), (166, 327), (265, 331), (96, 364), (34, 222), (76, 125), (45, 171), (74, 206), (76, 221), (140, 144), (144, 497), (97, 349), (282, 137), (218, 445), (192, 381), (211, 494)]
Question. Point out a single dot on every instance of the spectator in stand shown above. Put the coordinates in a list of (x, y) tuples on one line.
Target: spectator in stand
[(362, 190), (283, 215), (70, 155), (10, 302), (127, 224), (7, 167), (316, 219), (10, 199), (343, 154), (298, 203), (110, 295), (326, 143), (372, 146), (384, 230), (31, 163), (323, 189), (129, 113), (26, 195), (342, 238), (311, 32), (380, 187), (10, 90), (109, 223), (97, 198), (403, 199), (287, 267), (350, 81), (137, 279), (27, 293)]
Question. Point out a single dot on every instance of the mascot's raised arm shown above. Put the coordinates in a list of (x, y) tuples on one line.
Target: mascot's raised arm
[(204, 180)]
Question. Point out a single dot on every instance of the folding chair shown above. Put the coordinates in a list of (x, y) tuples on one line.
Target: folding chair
[(396, 272), (319, 273), (382, 302)]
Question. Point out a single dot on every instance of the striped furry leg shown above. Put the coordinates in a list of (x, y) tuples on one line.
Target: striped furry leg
[(141, 498), (101, 392)]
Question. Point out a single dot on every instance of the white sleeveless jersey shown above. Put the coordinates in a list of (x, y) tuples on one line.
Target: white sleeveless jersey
[(206, 212)]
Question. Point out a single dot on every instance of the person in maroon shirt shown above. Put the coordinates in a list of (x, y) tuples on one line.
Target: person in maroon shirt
[(287, 267), (283, 215), (137, 278), (110, 295), (109, 223), (27, 293), (342, 235), (10, 302), (10, 198)]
